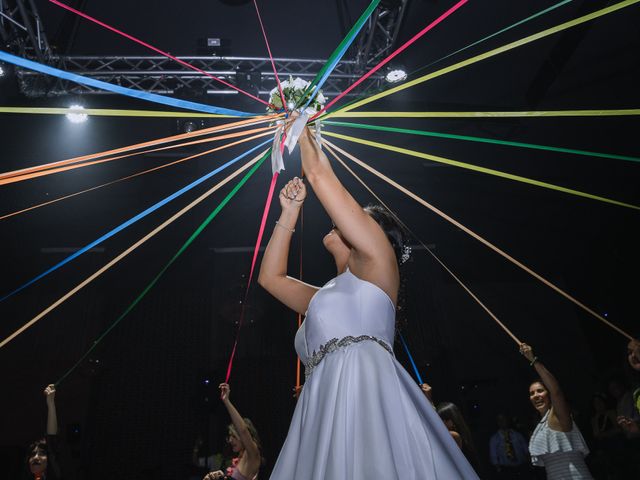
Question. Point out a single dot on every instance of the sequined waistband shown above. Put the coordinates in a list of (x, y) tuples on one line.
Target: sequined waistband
[(336, 344)]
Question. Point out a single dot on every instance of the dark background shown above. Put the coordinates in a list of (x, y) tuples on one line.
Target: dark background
[(134, 409)]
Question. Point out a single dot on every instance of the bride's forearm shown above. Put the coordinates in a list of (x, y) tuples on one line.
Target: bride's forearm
[(274, 262), (314, 162)]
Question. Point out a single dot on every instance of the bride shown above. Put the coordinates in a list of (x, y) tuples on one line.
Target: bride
[(360, 415)]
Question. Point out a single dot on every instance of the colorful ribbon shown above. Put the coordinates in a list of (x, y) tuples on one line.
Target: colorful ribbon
[(160, 141), (496, 51), (119, 157), (485, 242), (256, 250), (129, 92), (157, 50), (467, 138), (506, 29), (337, 54), (541, 113), (399, 50), (273, 64), (111, 112), (186, 244), (128, 177), (413, 363), (88, 280), (428, 250), (489, 171), (132, 220)]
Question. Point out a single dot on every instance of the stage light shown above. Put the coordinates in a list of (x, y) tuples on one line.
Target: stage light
[(396, 75), (74, 115), (1, 71)]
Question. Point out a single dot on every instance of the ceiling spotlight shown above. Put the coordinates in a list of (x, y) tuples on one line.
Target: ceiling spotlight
[(396, 75), (75, 115)]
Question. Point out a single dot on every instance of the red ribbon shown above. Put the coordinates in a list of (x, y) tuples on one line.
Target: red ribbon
[(393, 55), (264, 34), (263, 223), (144, 44)]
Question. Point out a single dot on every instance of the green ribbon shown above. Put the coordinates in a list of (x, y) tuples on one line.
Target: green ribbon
[(525, 20), (467, 138), (186, 244), (338, 52)]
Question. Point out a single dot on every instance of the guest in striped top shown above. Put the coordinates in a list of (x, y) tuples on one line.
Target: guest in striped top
[(556, 443)]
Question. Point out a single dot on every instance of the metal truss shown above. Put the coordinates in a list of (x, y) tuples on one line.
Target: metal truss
[(164, 76), (22, 31), (379, 35)]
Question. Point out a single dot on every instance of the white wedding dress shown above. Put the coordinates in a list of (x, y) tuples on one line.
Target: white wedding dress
[(360, 415)]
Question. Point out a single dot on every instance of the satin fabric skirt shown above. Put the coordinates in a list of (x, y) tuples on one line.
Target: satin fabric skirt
[(360, 416)]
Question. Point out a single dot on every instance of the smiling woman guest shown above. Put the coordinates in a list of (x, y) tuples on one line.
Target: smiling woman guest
[(556, 443)]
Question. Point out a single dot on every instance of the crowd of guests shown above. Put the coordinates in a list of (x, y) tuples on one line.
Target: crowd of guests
[(555, 445)]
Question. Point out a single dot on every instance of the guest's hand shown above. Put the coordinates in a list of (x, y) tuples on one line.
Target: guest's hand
[(296, 391), (427, 390), (527, 351), (214, 475), (225, 391), (628, 425), (50, 393)]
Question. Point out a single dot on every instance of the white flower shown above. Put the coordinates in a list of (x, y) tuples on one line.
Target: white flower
[(300, 84), (320, 98)]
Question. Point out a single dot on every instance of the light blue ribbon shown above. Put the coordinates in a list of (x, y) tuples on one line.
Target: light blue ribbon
[(133, 220), (413, 364), (92, 82)]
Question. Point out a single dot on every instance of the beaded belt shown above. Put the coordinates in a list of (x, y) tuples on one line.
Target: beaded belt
[(336, 344)]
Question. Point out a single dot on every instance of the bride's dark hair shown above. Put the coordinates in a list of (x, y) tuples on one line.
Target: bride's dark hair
[(398, 237), (392, 228)]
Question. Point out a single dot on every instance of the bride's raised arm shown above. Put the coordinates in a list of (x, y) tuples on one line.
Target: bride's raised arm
[(273, 277)]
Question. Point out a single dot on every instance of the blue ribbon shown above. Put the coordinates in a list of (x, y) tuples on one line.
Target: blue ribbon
[(413, 364), (133, 220), (92, 82)]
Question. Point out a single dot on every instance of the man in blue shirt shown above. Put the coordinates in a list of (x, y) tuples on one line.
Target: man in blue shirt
[(509, 452)]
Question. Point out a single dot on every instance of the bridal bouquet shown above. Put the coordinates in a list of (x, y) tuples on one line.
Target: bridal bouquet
[(294, 94)]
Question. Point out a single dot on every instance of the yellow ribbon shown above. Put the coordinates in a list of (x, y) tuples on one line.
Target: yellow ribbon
[(540, 113), (133, 247), (494, 52), (428, 250), (482, 240), (476, 168)]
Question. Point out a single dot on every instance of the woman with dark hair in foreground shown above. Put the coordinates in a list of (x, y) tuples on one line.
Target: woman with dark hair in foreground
[(360, 416), (455, 423), (42, 461), (556, 443)]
